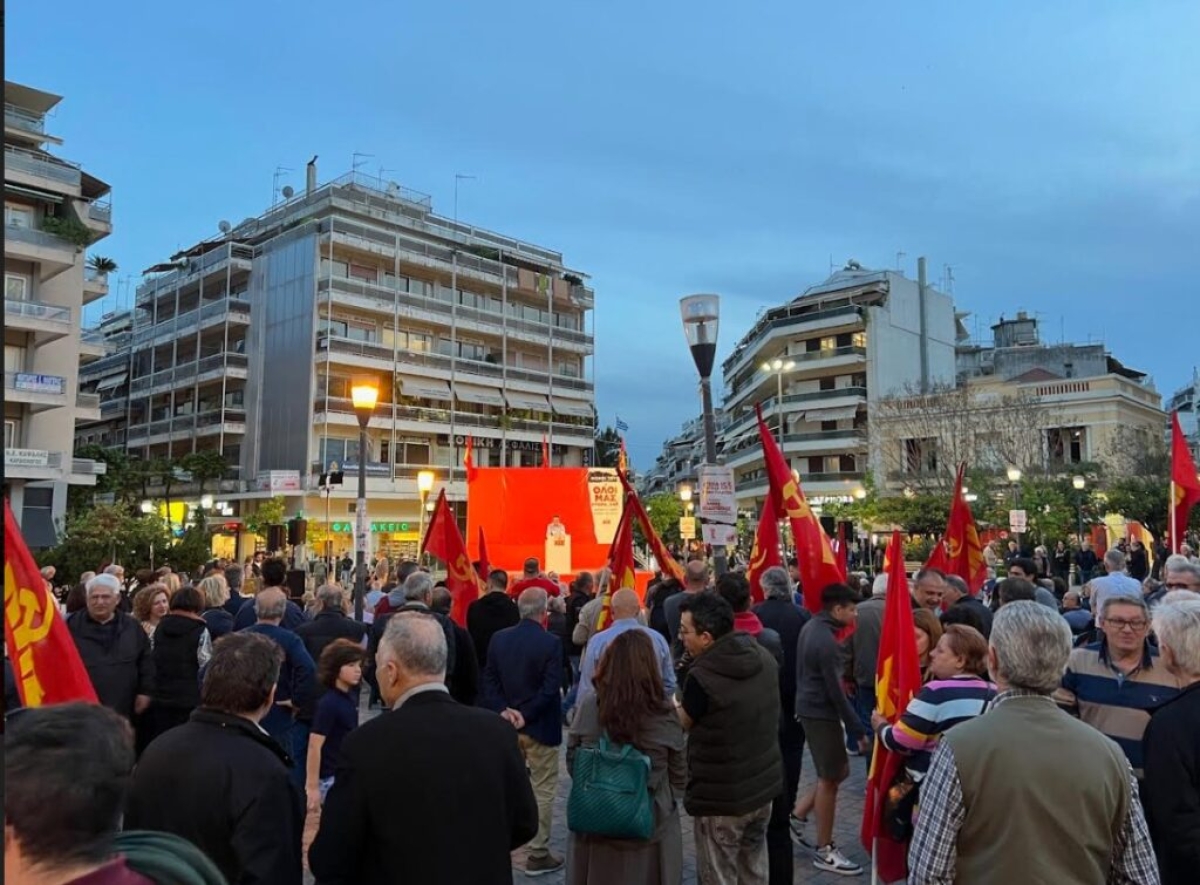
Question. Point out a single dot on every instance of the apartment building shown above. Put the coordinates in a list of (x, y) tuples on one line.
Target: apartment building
[(53, 210), (680, 456), (248, 343), (107, 378), (832, 352), (1186, 401)]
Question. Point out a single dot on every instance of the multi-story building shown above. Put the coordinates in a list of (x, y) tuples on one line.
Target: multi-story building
[(857, 337), (107, 378), (52, 211), (1186, 401), (680, 456), (248, 343)]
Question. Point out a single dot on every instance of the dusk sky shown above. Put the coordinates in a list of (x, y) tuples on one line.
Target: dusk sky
[(1047, 152)]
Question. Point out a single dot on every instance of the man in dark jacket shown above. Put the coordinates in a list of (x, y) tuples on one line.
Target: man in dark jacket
[(820, 704), (114, 649), (330, 623), (274, 575), (464, 682), (730, 709), (780, 614), (523, 683), (418, 595), (958, 595), (219, 781), (233, 577), (491, 613), (464, 763)]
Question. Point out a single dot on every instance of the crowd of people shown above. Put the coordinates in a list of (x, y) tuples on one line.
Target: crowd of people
[(228, 718)]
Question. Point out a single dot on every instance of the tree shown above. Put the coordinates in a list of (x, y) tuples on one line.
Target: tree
[(101, 265), (205, 466), (608, 447), (664, 510), (119, 478), (108, 533), (192, 549), (268, 513)]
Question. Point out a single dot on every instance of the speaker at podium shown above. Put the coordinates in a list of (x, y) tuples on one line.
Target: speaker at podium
[(558, 548)]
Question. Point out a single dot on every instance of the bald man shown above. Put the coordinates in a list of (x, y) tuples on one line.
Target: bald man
[(695, 580), (625, 610)]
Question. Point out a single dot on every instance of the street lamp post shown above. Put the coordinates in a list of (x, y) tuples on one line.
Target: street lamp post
[(1079, 483), (1014, 477), (328, 481), (701, 317), (424, 486), (363, 394), (777, 367)]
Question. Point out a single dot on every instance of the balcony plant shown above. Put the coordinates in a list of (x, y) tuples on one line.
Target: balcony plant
[(101, 265), (74, 232)]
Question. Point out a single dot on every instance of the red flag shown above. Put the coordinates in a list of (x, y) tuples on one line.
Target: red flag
[(666, 562), (622, 459), (469, 459), (545, 452), (842, 549), (961, 550), (485, 561), (814, 557), (621, 564), (1185, 484), (1100, 539), (44, 659), (897, 679), (445, 541), (765, 552)]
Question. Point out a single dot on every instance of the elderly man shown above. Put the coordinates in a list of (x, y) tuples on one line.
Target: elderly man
[(330, 623), (928, 589), (1078, 618), (1181, 573), (1172, 780), (418, 597), (994, 813), (114, 649), (625, 610), (1113, 684), (463, 761), (1115, 583), (958, 595), (523, 683), (696, 580)]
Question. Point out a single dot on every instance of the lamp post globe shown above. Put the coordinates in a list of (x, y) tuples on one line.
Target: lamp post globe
[(364, 394)]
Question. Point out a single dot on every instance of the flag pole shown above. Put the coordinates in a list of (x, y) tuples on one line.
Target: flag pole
[(875, 861), (1171, 513)]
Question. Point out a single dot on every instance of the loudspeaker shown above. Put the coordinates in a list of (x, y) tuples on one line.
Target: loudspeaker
[(297, 531), (829, 524), (295, 583), (276, 536)]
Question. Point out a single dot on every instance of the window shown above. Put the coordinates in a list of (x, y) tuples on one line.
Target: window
[(828, 383), (362, 272), (16, 287), (1065, 445), (844, 340), (12, 434), (816, 464), (859, 339), (829, 425), (340, 450), (919, 455), (847, 464), (812, 345), (14, 358), (18, 216), (336, 328), (829, 343)]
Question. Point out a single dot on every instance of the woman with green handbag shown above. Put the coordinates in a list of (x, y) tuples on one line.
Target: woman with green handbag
[(626, 725)]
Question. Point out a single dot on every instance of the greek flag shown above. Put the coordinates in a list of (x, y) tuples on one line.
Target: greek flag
[(622, 427)]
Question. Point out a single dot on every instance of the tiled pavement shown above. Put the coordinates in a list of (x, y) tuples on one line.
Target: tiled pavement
[(849, 815)]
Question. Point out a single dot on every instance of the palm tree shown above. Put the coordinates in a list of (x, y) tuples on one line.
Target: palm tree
[(101, 265)]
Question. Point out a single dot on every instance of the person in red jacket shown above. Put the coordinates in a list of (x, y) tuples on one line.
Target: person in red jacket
[(533, 577)]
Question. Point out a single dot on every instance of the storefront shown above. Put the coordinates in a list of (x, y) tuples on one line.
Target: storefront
[(394, 539)]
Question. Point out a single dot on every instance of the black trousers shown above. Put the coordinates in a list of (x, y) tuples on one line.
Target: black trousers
[(779, 836)]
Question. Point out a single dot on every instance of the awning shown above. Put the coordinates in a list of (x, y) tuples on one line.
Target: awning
[(485, 396), (842, 413), (112, 381), (575, 408), (425, 388), (35, 193), (519, 400)]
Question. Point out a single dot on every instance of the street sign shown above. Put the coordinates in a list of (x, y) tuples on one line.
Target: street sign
[(1017, 522), (687, 527), (717, 503)]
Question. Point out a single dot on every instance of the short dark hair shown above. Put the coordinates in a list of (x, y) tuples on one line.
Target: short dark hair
[(710, 614), (838, 594), (441, 600), (274, 572), (967, 615), (1015, 589), (498, 579), (66, 771), (187, 599), (406, 568), (532, 565), (233, 577), (1028, 566), (734, 589), (243, 670), (336, 655)]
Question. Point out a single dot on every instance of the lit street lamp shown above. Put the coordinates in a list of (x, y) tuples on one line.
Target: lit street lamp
[(701, 316), (1014, 477), (424, 486), (1079, 483), (364, 393), (778, 367)]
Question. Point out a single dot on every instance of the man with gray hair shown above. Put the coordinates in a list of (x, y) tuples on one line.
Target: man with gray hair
[(418, 597), (523, 683), (114, 649), (1181, 573), (463, 761), (958, 594), (1115, 583), (330, 622), (994, 812)]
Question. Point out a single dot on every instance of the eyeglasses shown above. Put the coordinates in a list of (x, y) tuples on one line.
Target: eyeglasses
[(1136, 626), (1177, 585)]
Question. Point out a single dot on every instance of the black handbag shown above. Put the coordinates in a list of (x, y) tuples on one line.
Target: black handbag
[(899, 803)]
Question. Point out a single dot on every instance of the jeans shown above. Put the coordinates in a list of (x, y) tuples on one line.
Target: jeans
[(732, 850), (779, 833), (864, 706), (542, 762)]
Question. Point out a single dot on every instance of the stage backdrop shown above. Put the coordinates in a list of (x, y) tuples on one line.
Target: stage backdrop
[(515, 504)]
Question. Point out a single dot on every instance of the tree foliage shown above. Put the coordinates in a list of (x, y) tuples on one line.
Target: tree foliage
[(204, 466), (267, 513), (108, 533), (608, 447), (664, 510)]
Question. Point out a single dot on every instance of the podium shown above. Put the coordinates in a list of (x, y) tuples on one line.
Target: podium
[(558, 555)]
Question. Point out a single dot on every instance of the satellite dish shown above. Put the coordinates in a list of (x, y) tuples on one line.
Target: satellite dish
[(288, 192), (224, 227), (393, 189)]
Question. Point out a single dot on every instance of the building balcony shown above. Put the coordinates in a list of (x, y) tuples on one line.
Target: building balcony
[(833, 442), (39, 392), (54, 254), (791, 325), (817, 400), (39, 170), (95, 285), (93, 346), (25, 122), (813, 485), (415, 419), (181, 428), (230, 257), (87, 407), (809, 365), (214, 367), (232, 310), (47, 322)]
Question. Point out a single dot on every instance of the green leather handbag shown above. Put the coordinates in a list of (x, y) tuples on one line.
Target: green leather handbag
[(610, 793)]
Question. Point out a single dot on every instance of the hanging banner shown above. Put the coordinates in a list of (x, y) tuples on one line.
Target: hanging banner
[(719, 535), (687, 527), (717, 500), (605, 497)]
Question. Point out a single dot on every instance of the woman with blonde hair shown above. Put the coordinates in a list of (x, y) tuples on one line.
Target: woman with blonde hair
[(150, 605), (215, 592)]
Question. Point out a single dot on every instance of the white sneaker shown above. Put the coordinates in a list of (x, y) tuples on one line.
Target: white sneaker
[(831, 859), (798, 826)]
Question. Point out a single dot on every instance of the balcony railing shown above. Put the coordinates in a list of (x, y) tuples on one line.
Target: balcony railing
[(767, 324), (19, 118), (100, 210), (185, 372), (36, 310), (768, 405), (233, 308), (384, 411), (35, 237), (31, 382), (203, 264), (42, 165), (87, 401)]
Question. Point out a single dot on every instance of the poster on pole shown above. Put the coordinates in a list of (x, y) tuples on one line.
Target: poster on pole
[(717, 501), (687, 527), (719, 535), (1017, 521)]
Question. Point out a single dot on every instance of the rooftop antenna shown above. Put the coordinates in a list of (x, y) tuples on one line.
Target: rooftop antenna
[(280, 172), (831, 264), (359, 159), (900, 256), (948, 270), (383, 169)]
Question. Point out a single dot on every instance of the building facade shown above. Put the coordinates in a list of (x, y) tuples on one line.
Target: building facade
[(1186, 401), (680, 456), (249, 342), (841, 346), (53, 211)]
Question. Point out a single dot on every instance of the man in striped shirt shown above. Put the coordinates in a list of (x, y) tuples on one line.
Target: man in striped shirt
[(1114, 683)]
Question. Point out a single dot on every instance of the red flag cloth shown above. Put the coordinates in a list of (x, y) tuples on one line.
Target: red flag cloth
[(814, 556), (620, 563), (963, 552), (937, 558), (897, 679), (445, 541), (469, 458), (1185, 484), (1100, 540), (765, 552), (44, 659), (666, 562), (485, 561)]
